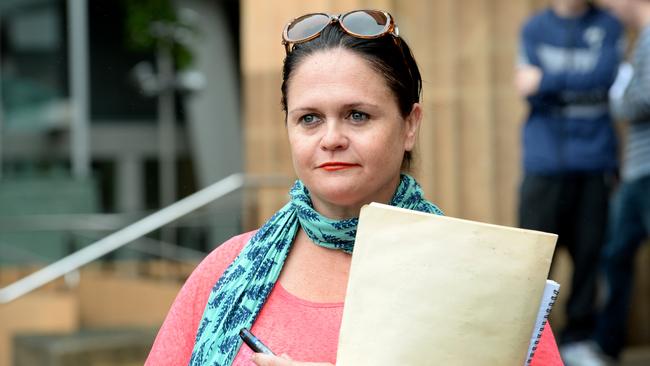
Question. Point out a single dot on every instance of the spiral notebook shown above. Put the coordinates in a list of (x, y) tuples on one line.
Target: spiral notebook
[(435, 290), (549, 296)]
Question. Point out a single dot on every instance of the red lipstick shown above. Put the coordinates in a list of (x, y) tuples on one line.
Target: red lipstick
[(332, 166)]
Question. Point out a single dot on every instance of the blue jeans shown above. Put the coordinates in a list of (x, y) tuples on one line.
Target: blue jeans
[(629, 225)]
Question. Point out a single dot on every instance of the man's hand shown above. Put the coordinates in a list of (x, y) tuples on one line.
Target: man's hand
[(265, 360), (527, 79)]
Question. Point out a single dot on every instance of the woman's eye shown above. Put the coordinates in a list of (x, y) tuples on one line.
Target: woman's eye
[(357, 116), (309, 119)]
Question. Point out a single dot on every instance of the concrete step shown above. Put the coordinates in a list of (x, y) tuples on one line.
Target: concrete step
[(109, 301), (130, 295), (89, 348), (39, 312)]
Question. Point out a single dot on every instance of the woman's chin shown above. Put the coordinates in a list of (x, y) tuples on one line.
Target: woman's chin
[(340, 195), (344, 189)]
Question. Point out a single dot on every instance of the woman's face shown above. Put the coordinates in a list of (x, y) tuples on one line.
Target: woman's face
[(346, 132)]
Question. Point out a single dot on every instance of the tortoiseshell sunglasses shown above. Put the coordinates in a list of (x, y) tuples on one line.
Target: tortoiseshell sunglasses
[(366, 24)]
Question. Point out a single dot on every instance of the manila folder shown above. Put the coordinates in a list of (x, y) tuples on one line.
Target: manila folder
[(434, 290)]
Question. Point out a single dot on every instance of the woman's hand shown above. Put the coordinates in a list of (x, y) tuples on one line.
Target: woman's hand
[(528, 79), (261, 359)]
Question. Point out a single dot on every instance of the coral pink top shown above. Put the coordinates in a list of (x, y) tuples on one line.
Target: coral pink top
[(304, 330)]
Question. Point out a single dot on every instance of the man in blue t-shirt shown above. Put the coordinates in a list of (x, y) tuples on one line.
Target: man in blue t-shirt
[(568, 60)]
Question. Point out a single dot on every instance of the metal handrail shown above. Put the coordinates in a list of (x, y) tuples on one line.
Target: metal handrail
[(92, 221), (68, 222), (122, 237)]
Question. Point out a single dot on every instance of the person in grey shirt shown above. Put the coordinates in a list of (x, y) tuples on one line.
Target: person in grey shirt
[(629, 217)]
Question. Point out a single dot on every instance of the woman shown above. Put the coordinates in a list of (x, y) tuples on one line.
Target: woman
[(350, 91)]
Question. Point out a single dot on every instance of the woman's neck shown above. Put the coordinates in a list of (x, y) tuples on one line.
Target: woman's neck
[(315, 273), (567, 10), (339, 212), (336, 212)]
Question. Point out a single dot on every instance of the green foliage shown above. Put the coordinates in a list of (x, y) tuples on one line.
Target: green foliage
[(140, 17)]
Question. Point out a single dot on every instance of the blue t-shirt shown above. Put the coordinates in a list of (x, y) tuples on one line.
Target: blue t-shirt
[(569, 128)]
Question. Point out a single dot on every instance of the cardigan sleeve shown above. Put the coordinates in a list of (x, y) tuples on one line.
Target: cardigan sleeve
[(547, 353), (175, 340)]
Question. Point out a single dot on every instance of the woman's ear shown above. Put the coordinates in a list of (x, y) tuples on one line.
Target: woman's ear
[(411, 126)]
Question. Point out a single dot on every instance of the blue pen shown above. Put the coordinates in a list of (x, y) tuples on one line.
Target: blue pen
[(255, 344)]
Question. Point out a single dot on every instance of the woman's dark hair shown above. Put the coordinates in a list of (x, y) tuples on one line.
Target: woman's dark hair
[(391, 57)]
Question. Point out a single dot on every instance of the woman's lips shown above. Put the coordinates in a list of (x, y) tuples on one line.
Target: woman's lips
[(337, 165)]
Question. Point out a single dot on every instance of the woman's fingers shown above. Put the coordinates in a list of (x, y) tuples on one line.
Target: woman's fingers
[(261, 359), (267, 360)]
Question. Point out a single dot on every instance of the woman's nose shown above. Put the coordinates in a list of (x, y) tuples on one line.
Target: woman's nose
[(334, 137)]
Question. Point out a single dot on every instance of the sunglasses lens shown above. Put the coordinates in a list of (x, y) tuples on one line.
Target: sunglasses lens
[(306, 26), (366, 22)]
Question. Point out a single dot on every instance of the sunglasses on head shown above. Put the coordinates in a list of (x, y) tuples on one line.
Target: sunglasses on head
[(367, 24)]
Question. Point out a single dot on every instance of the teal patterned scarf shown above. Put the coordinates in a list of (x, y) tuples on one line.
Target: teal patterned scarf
[(240, 293)]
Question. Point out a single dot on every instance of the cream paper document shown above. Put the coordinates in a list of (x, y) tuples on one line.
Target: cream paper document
[(435, 290)]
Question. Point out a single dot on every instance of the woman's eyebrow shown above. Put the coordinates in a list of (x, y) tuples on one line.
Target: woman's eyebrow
[(302, 110), (359, 105), (347, 106)]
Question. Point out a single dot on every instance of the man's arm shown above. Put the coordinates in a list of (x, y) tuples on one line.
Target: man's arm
[(634, 104), (528, 72), (570, 83)]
